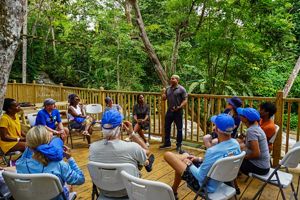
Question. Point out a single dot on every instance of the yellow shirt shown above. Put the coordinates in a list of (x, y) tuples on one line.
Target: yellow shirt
[(14, 131)]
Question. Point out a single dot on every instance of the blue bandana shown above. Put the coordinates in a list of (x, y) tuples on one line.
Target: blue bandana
[(53, 151)]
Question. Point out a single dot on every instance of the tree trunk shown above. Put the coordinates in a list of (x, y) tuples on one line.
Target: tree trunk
[(148, 46), (128, 11), (291, 80), (175, 50), (24, 42), (11, 20)]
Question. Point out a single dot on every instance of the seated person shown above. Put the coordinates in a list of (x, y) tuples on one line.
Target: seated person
[(48, 118), (11, 136), (189, 168), (110, 105), (233, 104), (77, 117), (141, 117), (267, 111), (257, 159), (113, 150), (47, 158)]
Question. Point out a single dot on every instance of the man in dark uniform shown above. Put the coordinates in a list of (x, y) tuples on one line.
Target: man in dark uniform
[(176, 96)]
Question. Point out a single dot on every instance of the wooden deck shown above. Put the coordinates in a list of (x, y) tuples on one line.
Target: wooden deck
[(164, 173)]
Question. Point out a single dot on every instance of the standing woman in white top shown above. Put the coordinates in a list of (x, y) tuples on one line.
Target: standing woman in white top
[(77, 117)]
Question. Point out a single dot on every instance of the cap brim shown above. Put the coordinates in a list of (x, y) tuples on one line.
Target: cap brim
[(240, 111), (213, 119)]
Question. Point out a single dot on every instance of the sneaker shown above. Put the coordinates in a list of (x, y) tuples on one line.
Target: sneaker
[(165, 146), (147, 143), (151, 161), (179, 150)]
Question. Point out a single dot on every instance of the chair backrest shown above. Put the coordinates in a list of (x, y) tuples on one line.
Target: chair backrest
[(272, 139), (292, 158), (93, 108), (107, 176), (226, 169), (138, 188), (33, 186), (31, 118)]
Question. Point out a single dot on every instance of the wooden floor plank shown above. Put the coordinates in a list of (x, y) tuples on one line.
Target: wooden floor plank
[(164, 173)]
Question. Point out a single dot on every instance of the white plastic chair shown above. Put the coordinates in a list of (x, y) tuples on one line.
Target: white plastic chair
[(272, 139), (107, 177), (34, 186), (138, 188), (278, 178), (31, 118), (93, 109), (223, 170)]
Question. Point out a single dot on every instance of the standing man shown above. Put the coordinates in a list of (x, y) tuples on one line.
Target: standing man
[(49, 116), (177, 99)]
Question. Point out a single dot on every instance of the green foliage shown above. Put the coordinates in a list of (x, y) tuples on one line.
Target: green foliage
[(236, 47)]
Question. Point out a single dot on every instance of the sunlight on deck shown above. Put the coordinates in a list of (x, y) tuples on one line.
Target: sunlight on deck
[(164, 173)]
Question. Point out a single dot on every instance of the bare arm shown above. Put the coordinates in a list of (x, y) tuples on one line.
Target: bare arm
[(255, 151), (183, 103), (73, 113), (6, 137)]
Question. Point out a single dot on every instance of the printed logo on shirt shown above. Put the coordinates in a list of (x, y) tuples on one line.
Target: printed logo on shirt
[(231, 153)]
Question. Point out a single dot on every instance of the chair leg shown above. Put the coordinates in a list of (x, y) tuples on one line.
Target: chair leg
[(246, 187), (298, 185), (71, 139), (260, 190), (294, 192)]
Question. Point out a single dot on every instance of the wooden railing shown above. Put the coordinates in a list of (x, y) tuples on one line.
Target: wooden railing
[(196, 116)]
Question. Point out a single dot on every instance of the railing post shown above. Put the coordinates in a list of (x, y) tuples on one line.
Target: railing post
[(34, 92), (163, 115), (61, 91), (102, 97), (14, 93), (279, 121)]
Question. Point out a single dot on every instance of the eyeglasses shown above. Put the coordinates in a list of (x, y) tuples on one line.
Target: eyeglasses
[(77, 99)]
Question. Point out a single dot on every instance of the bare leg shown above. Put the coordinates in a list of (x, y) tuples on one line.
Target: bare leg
[(137, 129), (137, 140), (176, 162), (20, 146)]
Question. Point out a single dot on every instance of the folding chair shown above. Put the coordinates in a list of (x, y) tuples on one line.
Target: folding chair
[(138, 188), (31, 119), (35, 186), (6, 157), (223, 170), (72, 131), (279, 178), (107, 178), (94, 110), (272, 139)]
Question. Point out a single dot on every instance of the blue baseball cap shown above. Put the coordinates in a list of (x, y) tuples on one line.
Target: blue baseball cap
[(224, 122), (250, 113), (235, 102), (111, 119)]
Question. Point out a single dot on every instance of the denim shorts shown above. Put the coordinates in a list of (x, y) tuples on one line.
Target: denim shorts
[(190, 179)]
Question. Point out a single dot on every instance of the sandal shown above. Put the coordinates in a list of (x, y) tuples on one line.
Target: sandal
[(149, 166)]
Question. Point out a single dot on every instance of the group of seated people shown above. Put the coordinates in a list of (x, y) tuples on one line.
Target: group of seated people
[(43, 146), (44, 150), (224, 142)]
